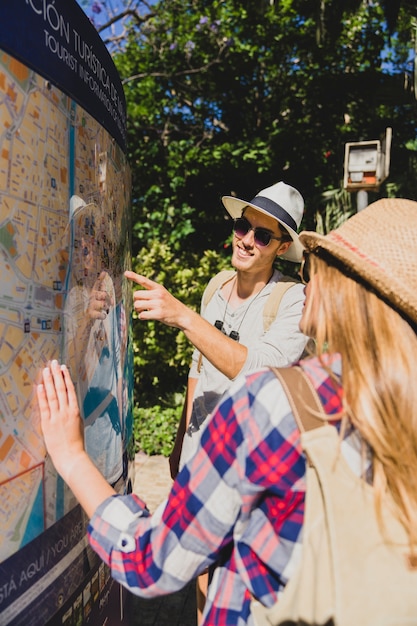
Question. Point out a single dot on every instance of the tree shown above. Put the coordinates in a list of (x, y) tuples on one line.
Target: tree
[(228, 97)]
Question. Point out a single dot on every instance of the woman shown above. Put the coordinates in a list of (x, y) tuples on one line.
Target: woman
[(238, 505)]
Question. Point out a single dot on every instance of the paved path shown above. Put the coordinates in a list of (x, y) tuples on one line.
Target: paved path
[(153, 483), (152, 479)]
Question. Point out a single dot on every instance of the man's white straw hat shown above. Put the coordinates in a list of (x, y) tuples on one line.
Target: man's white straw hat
[(280, 201)]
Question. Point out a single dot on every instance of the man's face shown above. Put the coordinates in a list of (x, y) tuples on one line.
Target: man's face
[(247, 255)]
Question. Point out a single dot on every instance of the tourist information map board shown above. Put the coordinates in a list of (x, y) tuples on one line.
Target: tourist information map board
[(64, 237)]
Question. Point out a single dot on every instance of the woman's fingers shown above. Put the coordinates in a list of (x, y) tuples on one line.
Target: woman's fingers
[(50, 389), (43, 402), (59, 385), (61, 422), (71, 394), (57, 389)]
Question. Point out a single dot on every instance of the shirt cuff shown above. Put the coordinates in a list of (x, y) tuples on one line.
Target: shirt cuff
[(114, 524)]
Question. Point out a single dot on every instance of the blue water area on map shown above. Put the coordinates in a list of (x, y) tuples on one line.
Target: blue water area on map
[(35, 524)]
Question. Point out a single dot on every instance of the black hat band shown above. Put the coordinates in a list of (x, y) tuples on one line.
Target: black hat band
[(275, 210)]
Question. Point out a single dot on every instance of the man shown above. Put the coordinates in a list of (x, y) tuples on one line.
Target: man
[(230, 337)]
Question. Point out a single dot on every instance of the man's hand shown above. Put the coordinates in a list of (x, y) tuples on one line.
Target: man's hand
[(154, 302)]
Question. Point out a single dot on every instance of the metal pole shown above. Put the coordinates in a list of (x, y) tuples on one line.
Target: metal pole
[(361, 199)]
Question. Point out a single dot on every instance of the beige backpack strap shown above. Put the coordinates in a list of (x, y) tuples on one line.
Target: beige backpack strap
[(304, 401), (217, 281), (274, 300), (348, 561), (271, 305), (305, 404)]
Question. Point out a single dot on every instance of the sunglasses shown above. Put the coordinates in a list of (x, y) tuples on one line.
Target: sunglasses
[(262, 236), (305, 268)]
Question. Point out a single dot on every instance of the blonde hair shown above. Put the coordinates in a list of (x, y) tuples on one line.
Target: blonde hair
[(379, 364)]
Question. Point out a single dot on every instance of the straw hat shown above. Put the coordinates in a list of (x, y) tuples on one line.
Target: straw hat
[(280, 201), (379, 246)]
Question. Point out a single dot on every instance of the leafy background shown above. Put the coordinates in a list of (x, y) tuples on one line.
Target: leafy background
[(227, 97)]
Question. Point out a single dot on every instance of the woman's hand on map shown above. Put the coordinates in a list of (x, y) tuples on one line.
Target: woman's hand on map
[(61, 423), (63, 433)]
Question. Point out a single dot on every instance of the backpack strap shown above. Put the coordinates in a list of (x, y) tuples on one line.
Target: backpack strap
[(303, 398), (274, 300), (271, 306), (214, 283)]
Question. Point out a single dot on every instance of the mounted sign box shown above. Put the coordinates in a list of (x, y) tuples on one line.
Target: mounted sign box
[(367, 163)]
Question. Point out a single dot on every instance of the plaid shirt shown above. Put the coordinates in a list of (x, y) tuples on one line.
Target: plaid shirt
[(236, 507)]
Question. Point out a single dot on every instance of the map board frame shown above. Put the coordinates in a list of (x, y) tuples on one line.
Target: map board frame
[(64, 237)]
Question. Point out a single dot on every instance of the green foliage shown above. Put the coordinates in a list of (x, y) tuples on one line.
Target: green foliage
[(228, 97), (162, 354), (336, 208), (154, 428)]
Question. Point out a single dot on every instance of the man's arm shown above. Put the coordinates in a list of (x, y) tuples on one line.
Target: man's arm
[(154, 302), (283, 343)]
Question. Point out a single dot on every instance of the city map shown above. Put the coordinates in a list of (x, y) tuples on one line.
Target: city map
[(64, 199)]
